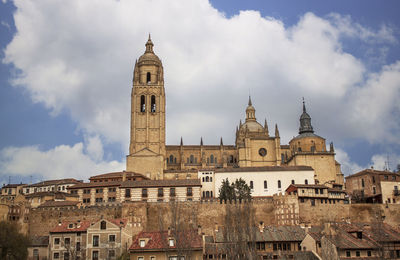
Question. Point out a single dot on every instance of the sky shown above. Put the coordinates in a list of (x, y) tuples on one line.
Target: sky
[(66, 76)]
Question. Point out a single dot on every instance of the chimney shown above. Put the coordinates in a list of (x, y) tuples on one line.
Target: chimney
[(199, 230), (124, 176), (261, 227)]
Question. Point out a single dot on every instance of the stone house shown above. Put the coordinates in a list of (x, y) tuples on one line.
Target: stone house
[(316, 194), (373, 186), (50, 186), (38, 248), (108, 239), (171, 245), (68, 240)]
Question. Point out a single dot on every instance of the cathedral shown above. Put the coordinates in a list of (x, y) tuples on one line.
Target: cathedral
[(254, 145)]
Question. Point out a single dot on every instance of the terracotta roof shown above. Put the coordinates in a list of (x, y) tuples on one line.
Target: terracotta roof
[(117, 174), (54, 182), (53, 203), (12, 185), (265, 169), (121, 222), (372, 171), (81, 226), (95, 184), (158, 240), (161, 183), (311, 186)]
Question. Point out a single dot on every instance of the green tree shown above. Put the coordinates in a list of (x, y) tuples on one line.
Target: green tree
[(13, 245), (238, 190)]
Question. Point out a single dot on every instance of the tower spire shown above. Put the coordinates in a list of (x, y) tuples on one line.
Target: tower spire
[(149, 45), (181, 141), (201, 140), (305, 121), (276, 130), (250, 104)]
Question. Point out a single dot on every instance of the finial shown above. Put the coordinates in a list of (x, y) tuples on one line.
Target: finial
[(304, 105), (266, 126), (240, 122), (201, 140), (221, 142), (250, 104), (276, 130), (181, 141), (331, 149), (149, 37)]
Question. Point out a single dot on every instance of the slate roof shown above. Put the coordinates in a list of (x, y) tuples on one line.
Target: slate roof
[(272, 234), (37, 241), (158, 240), (161, 183)]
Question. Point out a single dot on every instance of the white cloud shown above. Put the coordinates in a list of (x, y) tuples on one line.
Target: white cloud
[(62, 161), (347, 165), (77, 58)]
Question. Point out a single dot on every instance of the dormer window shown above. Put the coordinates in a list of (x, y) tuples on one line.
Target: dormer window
[(103, 225), (70, 225), (142, 243), (171, 242)]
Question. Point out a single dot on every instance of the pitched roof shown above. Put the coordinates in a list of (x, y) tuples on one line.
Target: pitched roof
[(158, 240), (56, 194), (12, 185), (372, 171), (117, 174), (63, 227), (39, 241), (53, 203), (54, 182), (270, 234), (95, 184), (161, 183), (265, 169)]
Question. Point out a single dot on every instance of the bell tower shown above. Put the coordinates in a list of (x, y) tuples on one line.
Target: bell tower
[(147, 136)]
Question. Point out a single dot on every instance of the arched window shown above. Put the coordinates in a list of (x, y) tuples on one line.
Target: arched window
[(207, 194), (265, 185), (148, 77), (279, 184), (292, 181), (204, 194), (282, 158), (103, 225), (191, 159), (305, 181), (207, 179), (171, 158), (210, 179), (142, 103), (211, 158), (153, 103), (167, 160), (175, 160), (251, 185), (203, 179), (211, 195), (231, 158)]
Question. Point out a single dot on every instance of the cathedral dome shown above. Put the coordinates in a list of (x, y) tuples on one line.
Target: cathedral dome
[(253, 126), (149, 56)]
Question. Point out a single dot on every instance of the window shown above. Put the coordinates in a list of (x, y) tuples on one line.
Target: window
[(153, 104), (358, 253), (95, 255), (160, 192), (251, 185), (373, 190), (171, 242), (148, 77), (189, 191), (111, 238), (362, 183), (373, 179), (127, 193), (66, 256), (292, 181), (172, 192), (142, 243), (279, 184), (191, 159), (96, 240), (171, 158), (99, 190), (369, 253), (207, 179), (56, 241), (316, 191), (144, 193), (348, 254), (78, 246), (140, 258), (265, 185), (302, 200), (211, 158), (111, 253), (67, 241), (321, 191), (152, 258), (103, 225), (312, 202), (111, 189), (99, 199), (305, 181), (56, 255), (386, 177), (142, 103), (36, 254)]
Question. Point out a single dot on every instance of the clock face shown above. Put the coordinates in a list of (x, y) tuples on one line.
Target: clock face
[(262, 152)]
